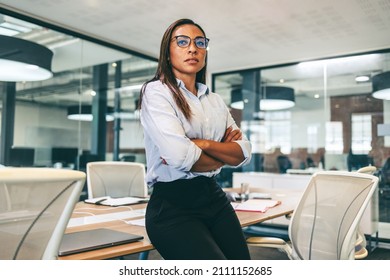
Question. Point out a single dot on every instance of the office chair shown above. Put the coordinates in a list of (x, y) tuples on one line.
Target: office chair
[(360, 247), (36, 205), (324, 224), (357, 161), (116, 179), (284, 163)]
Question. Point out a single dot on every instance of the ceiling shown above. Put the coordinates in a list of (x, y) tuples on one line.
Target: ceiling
[(243, 33)]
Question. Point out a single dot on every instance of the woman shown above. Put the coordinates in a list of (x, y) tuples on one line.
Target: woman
[(189, 135)]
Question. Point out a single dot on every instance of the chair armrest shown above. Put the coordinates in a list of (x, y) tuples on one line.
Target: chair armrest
[(271, 242), (266, 242)]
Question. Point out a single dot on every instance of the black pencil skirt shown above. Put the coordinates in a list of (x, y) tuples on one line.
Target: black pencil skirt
[(192, 219)]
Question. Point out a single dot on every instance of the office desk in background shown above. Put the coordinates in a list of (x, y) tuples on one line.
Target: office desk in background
[(288, 203), (289, 200)]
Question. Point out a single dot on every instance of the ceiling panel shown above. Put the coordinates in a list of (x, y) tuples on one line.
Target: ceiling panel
[(243, 33)]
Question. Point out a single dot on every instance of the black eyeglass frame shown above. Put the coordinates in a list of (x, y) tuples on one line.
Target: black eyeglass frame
[(206, 41)]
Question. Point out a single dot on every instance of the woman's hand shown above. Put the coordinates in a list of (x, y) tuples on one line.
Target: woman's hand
[(225, 152), (206, 163), (232, 135)]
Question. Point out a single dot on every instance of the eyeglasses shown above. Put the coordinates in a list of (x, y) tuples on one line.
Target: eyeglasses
[(184, 41)]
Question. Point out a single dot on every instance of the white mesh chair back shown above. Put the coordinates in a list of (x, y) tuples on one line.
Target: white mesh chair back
[(325, 222), (116, 179), (36, 205)]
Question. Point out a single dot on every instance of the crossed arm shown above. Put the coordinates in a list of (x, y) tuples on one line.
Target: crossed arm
[(216, 154)]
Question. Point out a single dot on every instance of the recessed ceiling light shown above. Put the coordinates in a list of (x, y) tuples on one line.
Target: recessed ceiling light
[(362, 78)]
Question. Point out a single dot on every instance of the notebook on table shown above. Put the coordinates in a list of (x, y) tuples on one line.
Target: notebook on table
[(82, 241), (109, 201)]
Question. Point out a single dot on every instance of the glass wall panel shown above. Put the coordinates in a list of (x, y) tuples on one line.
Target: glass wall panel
[(333, 124), (85, 75)]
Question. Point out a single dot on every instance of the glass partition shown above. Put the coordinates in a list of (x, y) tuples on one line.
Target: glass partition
[(87, 78), (333, 123)]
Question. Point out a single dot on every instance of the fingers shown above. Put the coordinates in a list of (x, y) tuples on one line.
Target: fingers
[(236, 135), (232, 135), (228, 130)]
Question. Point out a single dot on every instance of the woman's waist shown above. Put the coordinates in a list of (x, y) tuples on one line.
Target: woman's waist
[(194, 182), (166, 174)]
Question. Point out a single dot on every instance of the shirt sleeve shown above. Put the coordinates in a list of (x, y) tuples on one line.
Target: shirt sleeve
[(160, 119), (244, 143)]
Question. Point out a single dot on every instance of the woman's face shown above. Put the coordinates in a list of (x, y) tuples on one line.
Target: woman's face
[(186, 60)]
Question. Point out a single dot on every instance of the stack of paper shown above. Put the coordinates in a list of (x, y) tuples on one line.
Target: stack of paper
[(256, 205), (109, 201)]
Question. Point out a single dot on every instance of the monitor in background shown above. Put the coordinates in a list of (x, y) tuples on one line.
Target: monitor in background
[(357, 161), (85, 158), (21, 157), (128, 158), (64, 155), (42, 157), (225, 176), (335, 161)]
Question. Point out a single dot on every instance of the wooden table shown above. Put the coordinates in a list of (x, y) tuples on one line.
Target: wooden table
[(288, 203), (289, 200)]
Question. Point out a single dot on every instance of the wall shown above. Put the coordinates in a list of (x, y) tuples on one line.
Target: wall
[(301, 120), (39, 126), (342, 108), (131, 135)]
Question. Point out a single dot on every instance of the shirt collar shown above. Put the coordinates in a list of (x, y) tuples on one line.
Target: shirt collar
[(202, 88)]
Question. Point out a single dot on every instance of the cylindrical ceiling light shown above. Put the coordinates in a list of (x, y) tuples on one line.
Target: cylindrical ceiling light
[(272, 98), (381, 86), (277, 98), (22, 60), (236, 99), (84, 113)]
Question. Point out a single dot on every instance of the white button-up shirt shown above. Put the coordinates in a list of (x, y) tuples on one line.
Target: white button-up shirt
[(168, 134)]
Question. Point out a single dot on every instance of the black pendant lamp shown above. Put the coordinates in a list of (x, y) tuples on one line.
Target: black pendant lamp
[(272, 98), (381, 86), (22, 60)]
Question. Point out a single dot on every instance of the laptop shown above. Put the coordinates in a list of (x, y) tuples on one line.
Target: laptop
[(82, 241)]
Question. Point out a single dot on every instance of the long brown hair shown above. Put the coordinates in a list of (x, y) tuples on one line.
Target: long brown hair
[(164, 70)]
